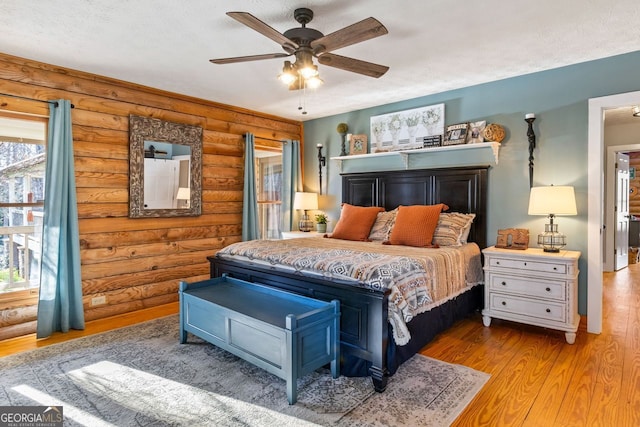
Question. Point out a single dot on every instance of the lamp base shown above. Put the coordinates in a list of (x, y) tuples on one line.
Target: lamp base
[(552, 240), (552, 250), (305, 224)]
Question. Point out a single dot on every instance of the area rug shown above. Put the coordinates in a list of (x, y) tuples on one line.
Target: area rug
[(141, 376)]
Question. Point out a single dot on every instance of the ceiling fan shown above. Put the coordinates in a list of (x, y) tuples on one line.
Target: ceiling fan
[(305, 43)]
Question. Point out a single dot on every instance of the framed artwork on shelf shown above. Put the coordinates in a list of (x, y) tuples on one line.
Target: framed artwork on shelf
[(408, 130), (476, 132), (456, 134), (358, 144)]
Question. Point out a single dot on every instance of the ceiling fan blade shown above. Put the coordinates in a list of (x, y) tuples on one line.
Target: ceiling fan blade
[(249, 58), (252, 22), (355, 33), (354, 65)]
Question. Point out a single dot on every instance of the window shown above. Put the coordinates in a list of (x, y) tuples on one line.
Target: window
[(22, 172), (268, 187)]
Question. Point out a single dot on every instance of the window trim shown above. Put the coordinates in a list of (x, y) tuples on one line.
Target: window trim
[(27, 296)]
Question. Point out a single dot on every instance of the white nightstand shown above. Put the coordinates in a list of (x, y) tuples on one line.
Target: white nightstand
[(300, 234), (532, 286)]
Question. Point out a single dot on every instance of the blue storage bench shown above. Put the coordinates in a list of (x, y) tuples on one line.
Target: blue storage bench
[(286, 334)]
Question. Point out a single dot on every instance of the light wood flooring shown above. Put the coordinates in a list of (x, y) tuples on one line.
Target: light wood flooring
[(537, 379)]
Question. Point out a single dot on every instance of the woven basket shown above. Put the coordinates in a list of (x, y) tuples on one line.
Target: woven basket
[(493, 132)]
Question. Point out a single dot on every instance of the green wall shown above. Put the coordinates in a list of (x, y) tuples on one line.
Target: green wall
[(558, 97)]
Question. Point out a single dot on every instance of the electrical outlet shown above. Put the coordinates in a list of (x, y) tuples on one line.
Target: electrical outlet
[(99, 300)]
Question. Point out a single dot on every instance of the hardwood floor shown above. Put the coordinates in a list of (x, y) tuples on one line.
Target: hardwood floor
[(537, 379)]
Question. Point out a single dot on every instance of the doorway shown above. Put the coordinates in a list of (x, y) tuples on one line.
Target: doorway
[(611, 242), (597, 108)]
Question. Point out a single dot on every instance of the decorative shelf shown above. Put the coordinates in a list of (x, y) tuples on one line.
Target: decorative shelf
[(406, 154)]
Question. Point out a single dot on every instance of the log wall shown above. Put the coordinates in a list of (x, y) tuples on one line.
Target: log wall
[(136, 263)]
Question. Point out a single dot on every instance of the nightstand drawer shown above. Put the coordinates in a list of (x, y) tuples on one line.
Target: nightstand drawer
[(527, 307), (548, 289), (547, 267)]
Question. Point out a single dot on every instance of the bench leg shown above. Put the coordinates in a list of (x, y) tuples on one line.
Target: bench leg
[(291, 365), (334, 333), (292, 390), (335, 368)]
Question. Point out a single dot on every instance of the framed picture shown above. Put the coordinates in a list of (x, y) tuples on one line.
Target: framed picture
[(408, 130), (456, 134), (358, 144), (475, 133)]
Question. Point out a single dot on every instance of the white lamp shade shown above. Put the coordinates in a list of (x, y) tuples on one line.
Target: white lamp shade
[(184, 193), (556, 200), (305, 201)]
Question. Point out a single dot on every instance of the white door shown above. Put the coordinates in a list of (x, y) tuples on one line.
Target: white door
[(160, 183), (621, 211)]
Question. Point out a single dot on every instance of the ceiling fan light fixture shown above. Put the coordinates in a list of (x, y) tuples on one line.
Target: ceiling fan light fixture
[(308, 71), (314, 82), (635, 110), (288, 75)]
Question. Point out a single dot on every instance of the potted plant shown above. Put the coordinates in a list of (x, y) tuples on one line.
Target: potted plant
[(321, 223)]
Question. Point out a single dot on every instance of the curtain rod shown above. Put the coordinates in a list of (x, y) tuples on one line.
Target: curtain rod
[(267, 139), (33, 99)]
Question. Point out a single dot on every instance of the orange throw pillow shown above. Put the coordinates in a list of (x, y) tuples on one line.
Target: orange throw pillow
[(416, 224), (355, 222)]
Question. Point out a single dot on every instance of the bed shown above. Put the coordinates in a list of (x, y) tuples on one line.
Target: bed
[(373, 342)]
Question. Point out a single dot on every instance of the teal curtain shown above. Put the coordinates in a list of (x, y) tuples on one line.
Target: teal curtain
[(60, 304), (291, 181), (250, 225)]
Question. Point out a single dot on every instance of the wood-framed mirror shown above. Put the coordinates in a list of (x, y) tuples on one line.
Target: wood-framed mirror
[(165, 168)]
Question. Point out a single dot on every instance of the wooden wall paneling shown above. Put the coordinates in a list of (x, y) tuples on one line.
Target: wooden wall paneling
[(102, 240), (15, 105), (105, 284), (18, 314), (24, 328), (137, 263), (111, 210), (100, 151), (129, 252), (102, 195)]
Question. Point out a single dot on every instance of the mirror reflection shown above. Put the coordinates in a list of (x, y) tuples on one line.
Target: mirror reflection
[(165, 168), (166, 175)]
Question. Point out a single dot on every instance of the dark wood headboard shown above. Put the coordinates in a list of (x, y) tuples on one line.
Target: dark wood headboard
[(462, 189)]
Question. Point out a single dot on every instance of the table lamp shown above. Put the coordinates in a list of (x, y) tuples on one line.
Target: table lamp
[(305, 201), (184, 194), (552, 201)]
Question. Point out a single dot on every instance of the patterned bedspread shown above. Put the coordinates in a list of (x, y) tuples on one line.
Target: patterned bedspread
[(419, 278)]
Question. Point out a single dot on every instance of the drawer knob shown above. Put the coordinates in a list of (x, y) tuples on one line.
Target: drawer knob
[(525, 263), (504, 283), (497, 262), (548, 289), (548, 310), (504, 303), (555, 268)]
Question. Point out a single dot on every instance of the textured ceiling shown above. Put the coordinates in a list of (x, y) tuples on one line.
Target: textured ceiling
[(432, 46)]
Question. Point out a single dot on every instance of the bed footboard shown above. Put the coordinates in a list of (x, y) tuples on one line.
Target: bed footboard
[(364, 329)]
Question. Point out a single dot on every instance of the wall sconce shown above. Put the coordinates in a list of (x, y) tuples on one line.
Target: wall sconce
[(322, 161), (529, 118)]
